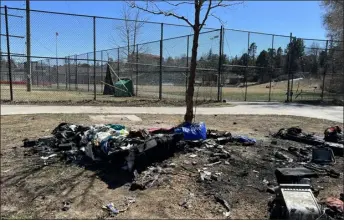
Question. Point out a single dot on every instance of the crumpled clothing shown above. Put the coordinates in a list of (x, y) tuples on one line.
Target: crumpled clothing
[(116, 127), (335, 204), (245, 140), (100, 137), (333, 134)]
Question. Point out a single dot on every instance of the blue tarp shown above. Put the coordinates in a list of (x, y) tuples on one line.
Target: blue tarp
[(193, 131)]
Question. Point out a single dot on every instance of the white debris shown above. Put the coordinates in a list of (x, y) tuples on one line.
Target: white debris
[(205, 175), (48, 157), (127, 147), (72, 127), (226, 214)]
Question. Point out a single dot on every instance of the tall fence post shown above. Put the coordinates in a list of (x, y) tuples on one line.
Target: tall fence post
[(66, 68), (28, 48), (289, 66), (292, 76), (117, 63), (187, 64), (101, 71), (137, 69), (161, 55), (8, 54), (68, 73), (57, 73), (94, 59), (0, 51), (324, 74), (272, 65), (36, 71), (331, 56), (42, 72), (49, 75), (88, 74), (248, 58), (130, 61), (76, 72), (1, 78), (219, 67)]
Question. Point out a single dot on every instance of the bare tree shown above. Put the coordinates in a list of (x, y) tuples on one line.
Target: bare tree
[(129, 30), (333, 18), (199, 22), (314, 49)]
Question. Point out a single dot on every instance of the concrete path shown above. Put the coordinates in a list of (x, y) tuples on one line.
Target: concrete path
[(334, 113)]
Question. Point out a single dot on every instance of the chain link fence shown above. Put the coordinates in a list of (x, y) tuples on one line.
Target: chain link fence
[(72, 54)]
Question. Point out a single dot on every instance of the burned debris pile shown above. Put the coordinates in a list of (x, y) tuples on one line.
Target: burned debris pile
[(144, 154), (316, 159), (129, 149), (107, 143), (333, 138)]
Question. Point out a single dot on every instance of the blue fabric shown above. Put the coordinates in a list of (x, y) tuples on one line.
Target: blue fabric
[(244, 139), (104, 145), (194, 131)]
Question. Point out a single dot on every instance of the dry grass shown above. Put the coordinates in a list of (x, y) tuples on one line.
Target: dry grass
[(254, 92), (151, 92), (29, 191)]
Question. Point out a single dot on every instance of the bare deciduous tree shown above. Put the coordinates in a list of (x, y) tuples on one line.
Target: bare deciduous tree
[(314, 49), (129, 30), (333, 18), (199, 22)]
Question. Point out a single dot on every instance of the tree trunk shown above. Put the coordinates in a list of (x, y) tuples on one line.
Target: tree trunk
[(190, 90)]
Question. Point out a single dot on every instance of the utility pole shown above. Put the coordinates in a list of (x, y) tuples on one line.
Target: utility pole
[(28, 47)]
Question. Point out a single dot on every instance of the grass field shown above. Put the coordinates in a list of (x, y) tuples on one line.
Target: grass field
[(310, 91)]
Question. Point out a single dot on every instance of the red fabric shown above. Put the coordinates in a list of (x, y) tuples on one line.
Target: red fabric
[(336, 203)]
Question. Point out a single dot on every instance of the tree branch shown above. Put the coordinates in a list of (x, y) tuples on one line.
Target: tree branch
[(160, 12), (206, 14), (181, 3), (219, 4)]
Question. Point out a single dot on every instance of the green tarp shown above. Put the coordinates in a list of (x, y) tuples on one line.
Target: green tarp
[(124, 88)]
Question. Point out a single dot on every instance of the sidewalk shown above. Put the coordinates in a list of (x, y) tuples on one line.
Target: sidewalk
[(334, 113)]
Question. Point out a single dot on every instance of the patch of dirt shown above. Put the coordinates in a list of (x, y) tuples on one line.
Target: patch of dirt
[(30, 190)]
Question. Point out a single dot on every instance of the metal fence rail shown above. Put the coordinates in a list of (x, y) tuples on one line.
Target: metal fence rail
[(71, 62)]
